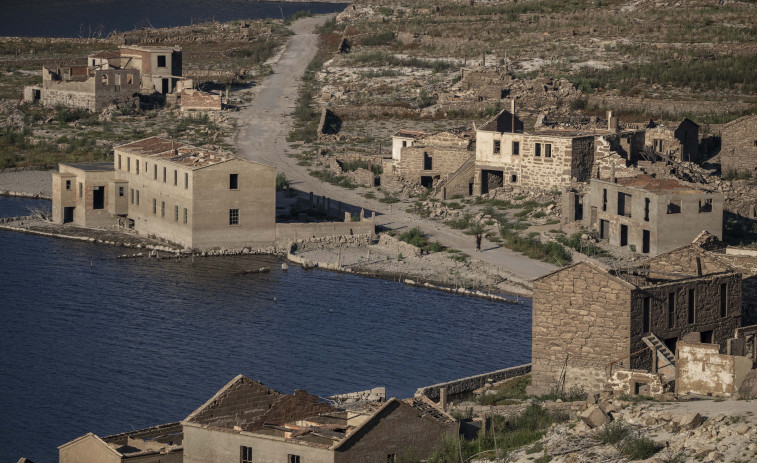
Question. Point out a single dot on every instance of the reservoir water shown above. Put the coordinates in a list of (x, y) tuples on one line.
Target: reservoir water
[(92, 343), (86, 18)]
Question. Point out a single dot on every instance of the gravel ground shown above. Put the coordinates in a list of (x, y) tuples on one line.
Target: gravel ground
[(438, 268), (35, 182)]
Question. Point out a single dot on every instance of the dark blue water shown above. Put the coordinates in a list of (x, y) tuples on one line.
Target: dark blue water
[(86, 18), (91, 343)]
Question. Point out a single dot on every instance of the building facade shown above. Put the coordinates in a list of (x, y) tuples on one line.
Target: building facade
[(679, 142), (651, 215), (588, 321), (432, 157), (184, 194)]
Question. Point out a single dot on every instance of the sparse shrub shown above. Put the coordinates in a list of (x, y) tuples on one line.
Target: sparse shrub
[(613, 432), (281, 182), (638, 448)]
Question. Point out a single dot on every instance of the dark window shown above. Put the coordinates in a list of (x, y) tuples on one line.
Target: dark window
[(68, 184), (547, 150), (185, 215), (162, 208), (186, 180), (98, 197), (513, 178), (137, 197), (497, 145), (154, 206), (428, 162), (245, 454), (128, 164), (136, 166), (705, 205), (692, 303), (404, 143), (131, 195), (647, 314), (624, 204), (176, 213), (646, 209), (624, 235), (175, 177), (645, 241), (164, 175), (674, 207), (391, 458), (516, 148), (723, 300), (233, 181), (537, 149), (121, 191), (161, 61), (119, 162), (81, 189), (155, 172), (604, 232), (427, 181), (604, 199), (233, 216), (671, 310), (293, 458)]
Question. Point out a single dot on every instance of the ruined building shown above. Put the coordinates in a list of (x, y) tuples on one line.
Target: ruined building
[(109, 78), (187, 195), (738, 151), (505, 154), (589, 322), (158, 444), (650, 215), (247, 419), (429, 159), (679, 142)]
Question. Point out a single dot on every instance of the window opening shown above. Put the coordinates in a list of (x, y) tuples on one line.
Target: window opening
[(233, 181), (674, 207), (547, 150), (537, 149), (245, 454), (516, 148), (497, 145), (705, 205), (233, 216), (428, 161), (723, 300), (692, 302)]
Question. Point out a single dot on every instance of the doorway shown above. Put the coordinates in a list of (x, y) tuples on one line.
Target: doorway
[(165, 86), (68, 214), (624, 235), (645, 241)]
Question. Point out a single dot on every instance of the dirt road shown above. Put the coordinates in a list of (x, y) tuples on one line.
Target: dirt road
[(264, 124)]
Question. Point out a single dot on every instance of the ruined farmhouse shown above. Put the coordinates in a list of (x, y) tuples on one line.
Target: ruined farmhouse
[(589, 322), (248, 422), (430, 158), (679, 142), (738, 151), (651, 215), (110, 78)]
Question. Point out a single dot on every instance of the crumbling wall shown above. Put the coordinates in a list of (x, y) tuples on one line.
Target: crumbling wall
[(738, 150), (624, 381), (199, 101), (582, 158), (290, 232), (701, 369)]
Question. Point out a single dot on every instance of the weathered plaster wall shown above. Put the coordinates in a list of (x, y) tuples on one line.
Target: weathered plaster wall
[(701, 369)]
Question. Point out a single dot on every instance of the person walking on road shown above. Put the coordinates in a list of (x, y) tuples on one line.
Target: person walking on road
[(478, 242)]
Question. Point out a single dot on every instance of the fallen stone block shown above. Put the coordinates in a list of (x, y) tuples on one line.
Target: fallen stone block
[(594, 417), (690, 421)]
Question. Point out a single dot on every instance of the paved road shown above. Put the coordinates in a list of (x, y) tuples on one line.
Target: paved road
[(264, 124)]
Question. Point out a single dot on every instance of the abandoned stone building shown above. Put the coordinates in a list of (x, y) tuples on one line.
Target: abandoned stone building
[(84, 87), (679, 142), (649, 215), (246, 421), (588, 321), (187, 195), (430, 158), (196, 100), (109, 78), (505, 154), (403, 139), (738, 150), (158, 444)]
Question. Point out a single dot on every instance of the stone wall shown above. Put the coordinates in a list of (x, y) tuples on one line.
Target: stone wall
[(738, 150), (581, 323), (290, 232), (471, 383), (701, 369), (199, 101), (625, 381)]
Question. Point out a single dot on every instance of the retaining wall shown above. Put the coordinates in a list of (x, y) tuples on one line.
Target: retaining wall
[(471, 383)]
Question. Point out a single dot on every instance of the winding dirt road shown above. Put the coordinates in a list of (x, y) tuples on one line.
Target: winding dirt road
[(261, 137)]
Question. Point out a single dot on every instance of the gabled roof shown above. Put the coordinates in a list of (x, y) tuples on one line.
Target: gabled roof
[(90, 436), (502, 123), (594, 267)]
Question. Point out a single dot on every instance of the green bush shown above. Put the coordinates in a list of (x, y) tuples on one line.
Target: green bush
[(613, 432), (281, 182), (638, 448), (530, 246)]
